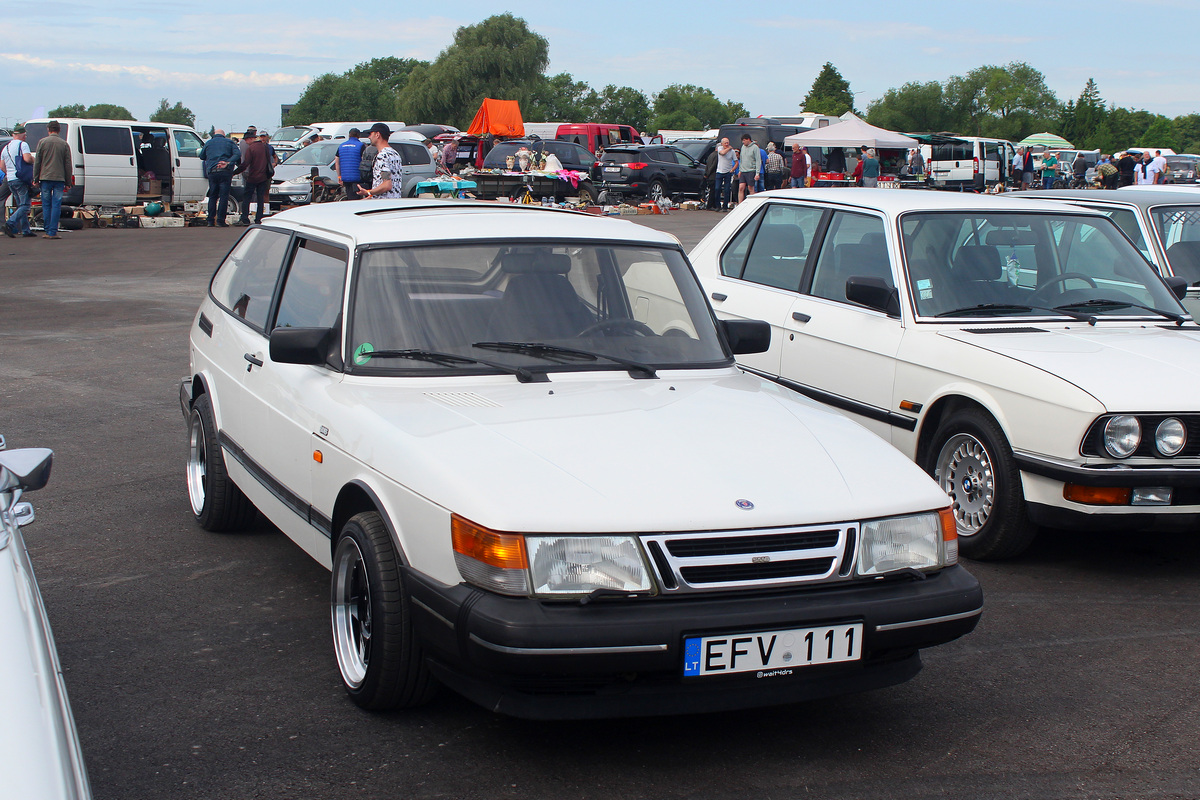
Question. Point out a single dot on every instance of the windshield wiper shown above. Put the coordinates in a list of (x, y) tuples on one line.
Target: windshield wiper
[(1178, 319), (522, 374), (982, 307), (565, 355)]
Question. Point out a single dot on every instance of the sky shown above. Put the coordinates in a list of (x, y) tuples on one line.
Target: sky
[(234, 64)]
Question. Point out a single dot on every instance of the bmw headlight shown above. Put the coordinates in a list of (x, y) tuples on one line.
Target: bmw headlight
[(1170, 437), (920, 541), (548, 565), (1122, 435)]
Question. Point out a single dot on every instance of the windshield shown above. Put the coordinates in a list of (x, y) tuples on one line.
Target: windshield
[(614, 304), (290, 134), (1178, 230), (1005, 264), (315, 155)]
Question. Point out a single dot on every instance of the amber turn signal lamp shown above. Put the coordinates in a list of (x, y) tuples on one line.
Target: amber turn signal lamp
[(503, 550), (318, 457), (949, 525), (1097, 495)]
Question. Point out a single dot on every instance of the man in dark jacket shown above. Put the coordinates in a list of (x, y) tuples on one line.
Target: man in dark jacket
[(710, 179), (1125, 165), (219, 155), (256, 165)]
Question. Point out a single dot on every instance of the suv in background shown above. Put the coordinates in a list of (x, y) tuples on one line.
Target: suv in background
[(761, 130), (1182, 169), (651, 170)]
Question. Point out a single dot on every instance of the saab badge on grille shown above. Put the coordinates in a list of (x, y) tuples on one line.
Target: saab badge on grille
[(744, 505)]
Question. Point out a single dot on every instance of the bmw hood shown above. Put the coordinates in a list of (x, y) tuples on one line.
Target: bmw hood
[(1147, 367), (601, 452)]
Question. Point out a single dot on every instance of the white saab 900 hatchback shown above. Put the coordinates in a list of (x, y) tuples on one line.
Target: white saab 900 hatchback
[(518, 438), (1023, 352)]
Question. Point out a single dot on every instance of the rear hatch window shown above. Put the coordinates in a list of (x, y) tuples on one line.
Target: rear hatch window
[(621, 157)]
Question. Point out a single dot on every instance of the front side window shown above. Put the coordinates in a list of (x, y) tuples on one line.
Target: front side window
[(970, 264), (312, 290), (245, 281), (188, 144), (535, 305), (854, 246)]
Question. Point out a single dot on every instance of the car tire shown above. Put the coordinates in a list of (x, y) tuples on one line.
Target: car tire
[(587, 193), (657, 190), (971, 460), (217, 503), (378, 655)]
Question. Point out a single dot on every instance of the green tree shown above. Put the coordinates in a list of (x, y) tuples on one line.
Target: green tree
[(830, 93), (625, 105), (1159, 134), (1010, 101), (688, 107), (176, 114), (107, 111), (912, 107), (390, 72), (561, 98), (342, 97), (1089, 115), (499, 57), (68, 111), (1187, 133)]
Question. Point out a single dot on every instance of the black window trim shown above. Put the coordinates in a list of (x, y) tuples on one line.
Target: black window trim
[(294, 243), (271, 307)]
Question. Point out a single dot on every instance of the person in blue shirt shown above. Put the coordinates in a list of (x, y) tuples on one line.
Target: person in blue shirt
[(219, 155), (346, 165)]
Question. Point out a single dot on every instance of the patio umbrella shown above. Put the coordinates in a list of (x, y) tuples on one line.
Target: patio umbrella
[(1047, 140)]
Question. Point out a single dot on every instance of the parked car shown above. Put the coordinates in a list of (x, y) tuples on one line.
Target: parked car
[(292, 181), (1023, 352), (1164, 225), (648, 170), (593, 135), (118, 162), (1183, 169), (518, 438), (40, 754), (571, 155), (289, 139), (698, 149)]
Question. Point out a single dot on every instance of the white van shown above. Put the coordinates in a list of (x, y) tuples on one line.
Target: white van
[(118, 162), (969, 162)]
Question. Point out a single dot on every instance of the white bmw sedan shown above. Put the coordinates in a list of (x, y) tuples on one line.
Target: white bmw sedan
[(1022, 352), (518, 438)]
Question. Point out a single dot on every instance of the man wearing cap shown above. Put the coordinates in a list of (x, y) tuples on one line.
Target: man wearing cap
[(388, 175), (346, 164), (256, 165), (15, 154)]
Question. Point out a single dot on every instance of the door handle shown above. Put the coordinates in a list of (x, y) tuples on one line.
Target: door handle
[(719, 297), (254, 362), (131, 161), (796, 315)]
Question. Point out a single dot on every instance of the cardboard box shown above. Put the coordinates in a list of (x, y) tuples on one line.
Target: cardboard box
[(193, 208)]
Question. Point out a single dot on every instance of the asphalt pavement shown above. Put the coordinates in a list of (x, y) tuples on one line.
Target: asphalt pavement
[(200, 665)]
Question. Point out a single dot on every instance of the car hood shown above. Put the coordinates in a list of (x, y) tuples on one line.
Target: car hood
[(286, 172), (1137, 368), (601, 452)]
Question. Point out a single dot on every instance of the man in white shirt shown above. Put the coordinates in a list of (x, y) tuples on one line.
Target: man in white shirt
[(725, 154), (1157, 171), (388, 174)]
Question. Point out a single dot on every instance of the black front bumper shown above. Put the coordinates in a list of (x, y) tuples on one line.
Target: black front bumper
[(608, 658)]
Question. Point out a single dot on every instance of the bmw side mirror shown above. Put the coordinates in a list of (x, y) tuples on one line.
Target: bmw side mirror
[(747, 336), (300, 345), (1177, 285), (873, 293)]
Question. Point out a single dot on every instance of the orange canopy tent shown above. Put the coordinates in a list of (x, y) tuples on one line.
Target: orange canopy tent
[(501, 118)]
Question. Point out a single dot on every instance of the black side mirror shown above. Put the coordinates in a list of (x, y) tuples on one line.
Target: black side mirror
[(873, 293), (747, 335), (300, 345), (1177, 285)]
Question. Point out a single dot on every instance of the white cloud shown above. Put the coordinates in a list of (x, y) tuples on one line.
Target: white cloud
[(151, 76)]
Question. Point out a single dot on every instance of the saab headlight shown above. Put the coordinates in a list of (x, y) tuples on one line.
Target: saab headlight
[(548, 565), (1170, 436), (1122, 435), (920, 541)]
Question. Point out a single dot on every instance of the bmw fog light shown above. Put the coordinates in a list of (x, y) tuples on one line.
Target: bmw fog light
[(561, 565), (1151, 496), (913, 542), (1122, 435), (1170, 437)]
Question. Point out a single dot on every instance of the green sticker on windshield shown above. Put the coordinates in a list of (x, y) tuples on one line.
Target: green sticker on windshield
[(362, 353)]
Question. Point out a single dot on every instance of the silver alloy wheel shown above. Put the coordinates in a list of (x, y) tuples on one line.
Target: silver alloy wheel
[(964, 471), (197, 463), (351, 612), (657, 191)]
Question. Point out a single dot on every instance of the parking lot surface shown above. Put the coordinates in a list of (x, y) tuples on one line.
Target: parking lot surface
[(199, 665)]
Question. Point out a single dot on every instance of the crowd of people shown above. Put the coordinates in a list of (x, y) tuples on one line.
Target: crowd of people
[(48, 169), (1111, 171)]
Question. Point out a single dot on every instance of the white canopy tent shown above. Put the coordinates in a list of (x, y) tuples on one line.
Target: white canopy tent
[(851, 132)]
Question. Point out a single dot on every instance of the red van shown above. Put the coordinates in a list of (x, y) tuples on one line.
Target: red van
[(594, 134)]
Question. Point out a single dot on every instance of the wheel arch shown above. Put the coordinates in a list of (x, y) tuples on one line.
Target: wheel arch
[(943, 407), (357, 497)]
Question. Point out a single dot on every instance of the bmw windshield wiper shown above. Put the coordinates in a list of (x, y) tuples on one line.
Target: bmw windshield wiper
[(451, 360), (565, 355), (989, 307), (1178, 319)]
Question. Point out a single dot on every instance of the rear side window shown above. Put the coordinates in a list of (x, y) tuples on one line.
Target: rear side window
[(106, 141), (413, 154), (312, 291), (952, 152), (245, 281), (734, 257), (780, 248)]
